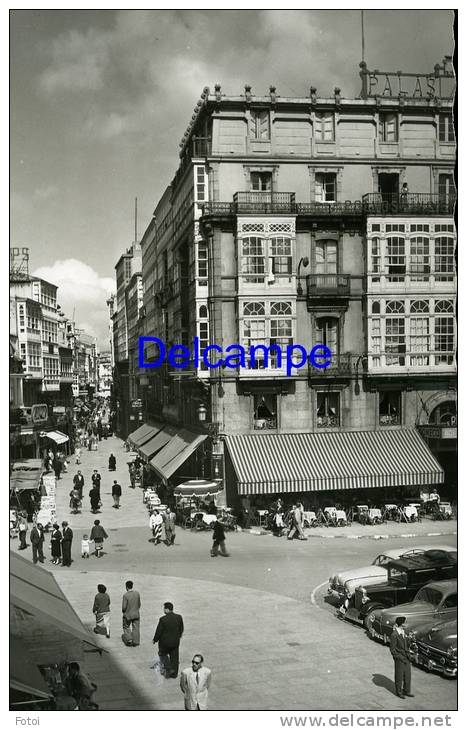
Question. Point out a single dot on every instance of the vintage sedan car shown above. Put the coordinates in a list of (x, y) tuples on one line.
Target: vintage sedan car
[(342, 585), (436, 601), (435, 647)]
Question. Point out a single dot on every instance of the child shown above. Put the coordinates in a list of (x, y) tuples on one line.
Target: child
[(85, 546)]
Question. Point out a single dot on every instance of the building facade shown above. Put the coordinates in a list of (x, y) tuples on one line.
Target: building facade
[(307, 220)]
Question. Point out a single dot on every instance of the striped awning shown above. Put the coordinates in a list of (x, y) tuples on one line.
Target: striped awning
[(142, 434), (157, 442), (311, 462), (58, 437), (176, 452)]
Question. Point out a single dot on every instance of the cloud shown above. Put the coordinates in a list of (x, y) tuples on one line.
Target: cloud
[(78, 62), (80, 288)]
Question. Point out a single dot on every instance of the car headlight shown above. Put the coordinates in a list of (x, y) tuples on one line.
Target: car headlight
[(452, 652)]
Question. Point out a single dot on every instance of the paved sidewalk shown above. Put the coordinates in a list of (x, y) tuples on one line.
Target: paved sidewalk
[(427, 527)]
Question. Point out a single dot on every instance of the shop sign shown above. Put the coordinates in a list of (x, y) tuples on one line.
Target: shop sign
[(39, 413), (449, 433), (440, 84), (59, 409), (438, 432)]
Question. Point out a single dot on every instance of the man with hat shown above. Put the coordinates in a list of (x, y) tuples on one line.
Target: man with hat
[(67, 539), (37, 542), (399, 648)]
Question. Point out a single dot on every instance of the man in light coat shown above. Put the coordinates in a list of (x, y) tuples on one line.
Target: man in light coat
[(194, 683), (169, 526)]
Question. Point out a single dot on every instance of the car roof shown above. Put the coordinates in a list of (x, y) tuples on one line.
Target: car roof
[(397, 552), (413, 562), (445, 586)]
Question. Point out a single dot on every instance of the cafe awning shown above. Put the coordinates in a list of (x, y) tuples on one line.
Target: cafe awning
[(310, 462), (36, 592), (157, 442), (199, 488), (176, 452), (57, 436), (142, 434), (25, 677)]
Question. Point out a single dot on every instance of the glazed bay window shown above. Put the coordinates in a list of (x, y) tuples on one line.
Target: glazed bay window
[(265, 411), (266, 323), (419, 258), (444, 333), (324, 127), (325, 187), (446, 128), (281, 255), (265, 257), (395, 258), (444, 258), (390, 408), (202, 262), (253, 259), (388, 130), (34, 355), (395, 334), (375, 257), (327, 409)]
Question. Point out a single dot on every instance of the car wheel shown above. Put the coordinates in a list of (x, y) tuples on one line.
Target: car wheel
[(366, 620)]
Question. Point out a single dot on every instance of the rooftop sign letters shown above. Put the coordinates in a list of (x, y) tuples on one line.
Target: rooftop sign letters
[(440, 84)]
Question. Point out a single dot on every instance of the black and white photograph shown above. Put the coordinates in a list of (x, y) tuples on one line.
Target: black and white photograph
[(233, 330)]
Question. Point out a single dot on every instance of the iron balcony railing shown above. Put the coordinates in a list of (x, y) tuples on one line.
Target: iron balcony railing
[(257, 201), (328, 285), (347, 207), (340, 365), (408, 204)]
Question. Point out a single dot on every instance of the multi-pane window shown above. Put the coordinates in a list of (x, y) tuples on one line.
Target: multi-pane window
[(33, 323), (390, 408), (34, 355), (395, 258), (50, 366), (23, 350), (446, 128), (281, 255), (264, 411), (49, 331), (267, 323), (327, 333), (202, 263), (395, 334), (327, 409), (326, 257), (261, 181), (444, 258), (324, 126), (21, 317), (375, 255), (259, 127), (419, 332), (445, 414), (446, 187), (325, 187), (444, 340), (388, 131), (419, 258), (203, 331), (200, 184), (253, 259)]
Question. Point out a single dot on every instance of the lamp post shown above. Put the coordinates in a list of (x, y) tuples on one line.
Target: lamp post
[(303, 262)]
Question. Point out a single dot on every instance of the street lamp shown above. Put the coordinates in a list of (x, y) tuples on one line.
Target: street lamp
[(202, 412), (303, 262)]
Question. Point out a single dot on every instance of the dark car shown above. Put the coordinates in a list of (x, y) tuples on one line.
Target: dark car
[(405, 577), (435, 647), (434, 602)]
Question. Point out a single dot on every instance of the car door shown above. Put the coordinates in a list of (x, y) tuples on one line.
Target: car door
[(448, 607)]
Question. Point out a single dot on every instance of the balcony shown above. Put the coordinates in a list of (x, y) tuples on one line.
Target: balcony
[(327, 286), (343, 365), (264, 202), (410, 204), (347, 207)]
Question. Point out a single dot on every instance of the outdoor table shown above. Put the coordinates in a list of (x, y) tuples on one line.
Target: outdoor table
[(340, 515), (410, 511), (375, 512), (262, 515), (309, 517)]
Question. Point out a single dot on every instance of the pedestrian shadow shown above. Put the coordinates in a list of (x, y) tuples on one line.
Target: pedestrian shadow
[(381, 681)]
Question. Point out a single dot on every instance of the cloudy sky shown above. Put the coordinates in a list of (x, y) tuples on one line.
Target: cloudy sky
[(100, 99)]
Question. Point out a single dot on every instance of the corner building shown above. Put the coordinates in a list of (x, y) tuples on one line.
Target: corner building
[(288, 221)]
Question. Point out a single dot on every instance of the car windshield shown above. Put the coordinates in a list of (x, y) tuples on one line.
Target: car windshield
[(381, 560), (429, 595), (397, 576)]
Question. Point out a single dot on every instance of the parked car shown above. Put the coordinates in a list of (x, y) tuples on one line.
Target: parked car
[(435, 647), (404, 579), (434, 602), (342, 585)]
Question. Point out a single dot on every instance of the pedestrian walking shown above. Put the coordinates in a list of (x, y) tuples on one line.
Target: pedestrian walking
[(98, 535), (37, 542), (78, 455), (116, 494), (67, 540), (399, 648), (112, 462), (168, 633), (23, 530), (131, 604), (96, 480), (56, 544), (85, 546), (194, 683), (78, 483), (296, 524), (101, 610), (75, 501), (95, 499), (169, 526), (57, 467), (155, 523), (218, 537)]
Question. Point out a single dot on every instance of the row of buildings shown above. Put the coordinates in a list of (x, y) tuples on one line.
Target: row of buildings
[(301, 220), (53, 365)]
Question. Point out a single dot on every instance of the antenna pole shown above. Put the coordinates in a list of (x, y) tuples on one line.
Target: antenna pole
[(363, 37), (136, 219)]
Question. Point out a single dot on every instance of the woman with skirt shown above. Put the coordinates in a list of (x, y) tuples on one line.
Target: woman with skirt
[(55, 544), (155, 523), (101, 610)]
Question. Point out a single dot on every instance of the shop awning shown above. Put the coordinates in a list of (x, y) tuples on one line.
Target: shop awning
[(142, 434), (199, 488), (21, 480), (35, 591), (311, 462), (24, 674), (57, 436), (26, 464), (158, 441), (176, 452)]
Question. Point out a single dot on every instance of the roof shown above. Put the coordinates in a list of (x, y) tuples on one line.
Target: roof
[(35, 591), (416, 562), (302, 462)]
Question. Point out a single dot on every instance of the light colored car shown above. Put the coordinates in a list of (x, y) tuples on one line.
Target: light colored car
[(436, 601), (342, 585)]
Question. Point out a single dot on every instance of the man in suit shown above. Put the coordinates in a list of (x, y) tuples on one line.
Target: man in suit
[(399, 648), (168, 633), (169, 526), (96, 481), (116, 494), (131, 603), (67, 539), (37, 542), (78, 483), (194, 683)]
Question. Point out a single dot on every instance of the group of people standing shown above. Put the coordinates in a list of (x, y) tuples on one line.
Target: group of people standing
[(287, 521)]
